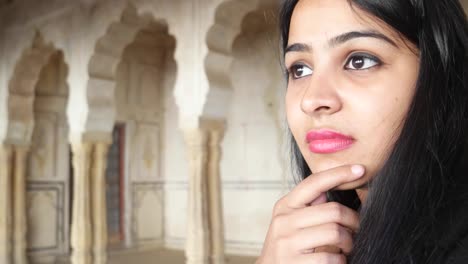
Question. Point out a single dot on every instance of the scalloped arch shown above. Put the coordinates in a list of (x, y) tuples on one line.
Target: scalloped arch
[(104, 61), (221, 36), (21, 88)]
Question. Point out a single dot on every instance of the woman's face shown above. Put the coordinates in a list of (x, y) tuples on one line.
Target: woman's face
[(351, 81)]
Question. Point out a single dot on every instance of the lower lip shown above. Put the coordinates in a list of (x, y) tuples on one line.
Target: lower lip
[(332, 145)]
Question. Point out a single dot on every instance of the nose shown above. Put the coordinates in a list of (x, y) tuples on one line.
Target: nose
[(321, 97)]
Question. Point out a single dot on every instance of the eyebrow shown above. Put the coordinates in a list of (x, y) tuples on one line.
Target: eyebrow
[(340, 39)]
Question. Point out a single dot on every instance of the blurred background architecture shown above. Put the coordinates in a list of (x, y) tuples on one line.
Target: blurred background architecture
[(139, 131), (138, 127)]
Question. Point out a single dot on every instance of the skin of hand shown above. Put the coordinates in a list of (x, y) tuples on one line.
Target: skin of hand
[(305, 228)]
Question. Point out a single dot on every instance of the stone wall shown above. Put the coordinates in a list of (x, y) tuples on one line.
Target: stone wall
[(253, 165), (48, 169)]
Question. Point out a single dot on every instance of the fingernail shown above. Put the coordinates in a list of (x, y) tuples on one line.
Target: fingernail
[(357, 170)]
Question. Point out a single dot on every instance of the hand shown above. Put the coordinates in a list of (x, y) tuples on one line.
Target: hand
[(305, 228)]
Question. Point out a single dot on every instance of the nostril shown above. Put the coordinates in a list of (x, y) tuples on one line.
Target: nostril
[(322, 108)]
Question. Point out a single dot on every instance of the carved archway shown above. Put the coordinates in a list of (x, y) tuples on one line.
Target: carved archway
[(135, 55), (103, 66), (233, 19), (21, 90), (37, 99), (229, 17)]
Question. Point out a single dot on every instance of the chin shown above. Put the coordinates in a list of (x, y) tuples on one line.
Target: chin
[(318, 163)]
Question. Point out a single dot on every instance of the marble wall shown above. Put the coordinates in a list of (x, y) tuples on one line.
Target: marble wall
[(48, 170), (145, 81), (253, 167)]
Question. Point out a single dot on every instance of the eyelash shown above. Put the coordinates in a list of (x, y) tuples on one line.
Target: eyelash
[(290, 71)]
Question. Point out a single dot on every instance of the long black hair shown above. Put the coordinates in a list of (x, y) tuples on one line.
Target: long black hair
[(413, 212)]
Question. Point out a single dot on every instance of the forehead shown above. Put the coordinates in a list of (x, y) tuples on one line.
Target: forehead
[(318, 20)]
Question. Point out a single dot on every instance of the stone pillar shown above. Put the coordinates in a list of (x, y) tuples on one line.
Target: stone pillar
[(81, 219), (215, 197), (99, 208), (5, 204), (19, 205), (197, 245)]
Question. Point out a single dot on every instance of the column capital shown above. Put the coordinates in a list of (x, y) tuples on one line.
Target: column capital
[(102, 148), (91, 137), (22, 150), (6, 148), (195, 139), (213, 124), (81, 148)]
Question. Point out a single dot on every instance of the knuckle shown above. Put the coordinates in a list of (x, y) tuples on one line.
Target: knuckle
[(335, 233), (279, 205), (337, 210), (277, 225)]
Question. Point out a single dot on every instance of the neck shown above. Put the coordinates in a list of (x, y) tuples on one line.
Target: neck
[(362, 194)]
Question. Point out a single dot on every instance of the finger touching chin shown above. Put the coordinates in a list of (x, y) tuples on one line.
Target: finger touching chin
[(328, 249)]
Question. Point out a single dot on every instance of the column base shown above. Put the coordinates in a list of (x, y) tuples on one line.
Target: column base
[(218, 260), (197, 260), (80, 258)]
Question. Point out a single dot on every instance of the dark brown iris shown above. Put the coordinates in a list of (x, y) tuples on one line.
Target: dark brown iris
[(358, 62)]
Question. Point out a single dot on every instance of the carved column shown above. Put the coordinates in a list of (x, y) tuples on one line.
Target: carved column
[(197, 245), (215, 197), (99, 203), (19, 205), (81, 219), (5, 204)]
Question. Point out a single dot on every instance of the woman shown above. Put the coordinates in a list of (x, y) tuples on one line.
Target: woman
[(377, 107)]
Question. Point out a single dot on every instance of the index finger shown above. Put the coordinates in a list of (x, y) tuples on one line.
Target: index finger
[(317, 184)]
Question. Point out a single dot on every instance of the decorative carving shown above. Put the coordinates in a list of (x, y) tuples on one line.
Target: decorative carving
[(43, 158), (145, 152), (47, 217), (148, 212), (43, 219)]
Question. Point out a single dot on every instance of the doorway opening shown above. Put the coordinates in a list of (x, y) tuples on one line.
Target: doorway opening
[(115, 187)]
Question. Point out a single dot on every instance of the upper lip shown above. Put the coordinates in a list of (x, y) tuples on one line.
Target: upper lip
[(324, 134)]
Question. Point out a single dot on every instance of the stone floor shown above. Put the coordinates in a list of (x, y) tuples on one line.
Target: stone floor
[(164, 257), (161, 256)]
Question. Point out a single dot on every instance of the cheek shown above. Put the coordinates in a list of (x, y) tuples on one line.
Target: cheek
[(379, 119), (293, 110)]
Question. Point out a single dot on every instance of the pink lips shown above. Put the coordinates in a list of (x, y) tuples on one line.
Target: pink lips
[(327, 141)]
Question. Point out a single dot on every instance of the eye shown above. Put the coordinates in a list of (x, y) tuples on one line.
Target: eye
[(362, 62), (299, 71)]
